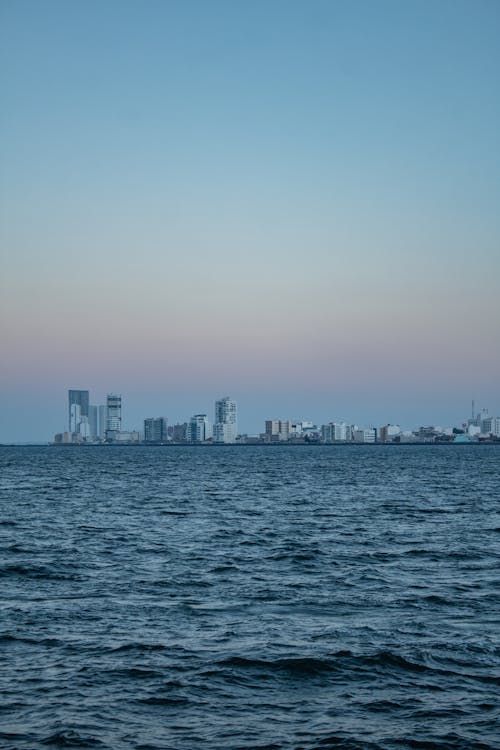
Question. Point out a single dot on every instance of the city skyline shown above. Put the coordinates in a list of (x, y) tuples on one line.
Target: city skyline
[(133, 416), (295, 203), (105, 426)]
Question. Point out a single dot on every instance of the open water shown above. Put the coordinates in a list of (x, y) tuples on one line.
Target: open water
[(291, 598)]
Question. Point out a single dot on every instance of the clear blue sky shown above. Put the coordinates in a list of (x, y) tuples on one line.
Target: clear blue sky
[(294, 203)]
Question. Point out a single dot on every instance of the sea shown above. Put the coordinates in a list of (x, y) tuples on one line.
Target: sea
[(250, 598)]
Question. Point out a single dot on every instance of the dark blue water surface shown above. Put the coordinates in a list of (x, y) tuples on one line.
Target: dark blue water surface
[(228, 598)]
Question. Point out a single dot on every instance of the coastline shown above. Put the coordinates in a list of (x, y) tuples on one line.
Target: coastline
[(252, 445)]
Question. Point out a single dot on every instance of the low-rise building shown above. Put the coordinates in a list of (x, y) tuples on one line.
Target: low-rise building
[(491, 426), (336, 432), (126, 436), (368, 435), (180, 432), (388, 433), (278, 430)]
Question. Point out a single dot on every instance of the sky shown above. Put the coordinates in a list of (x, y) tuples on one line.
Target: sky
[(294, 203)]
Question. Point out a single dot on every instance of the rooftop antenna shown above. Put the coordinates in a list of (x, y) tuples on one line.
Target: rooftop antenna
[(472, 408)]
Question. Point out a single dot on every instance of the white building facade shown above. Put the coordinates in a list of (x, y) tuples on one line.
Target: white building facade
[(278, 429), (336, 432), (368, 435), (199, 429), (225, 428)]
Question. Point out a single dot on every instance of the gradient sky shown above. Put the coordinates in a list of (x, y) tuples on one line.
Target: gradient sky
[(293, 203)]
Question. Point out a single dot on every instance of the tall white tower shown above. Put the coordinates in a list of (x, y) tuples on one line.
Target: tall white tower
[(226, 421)]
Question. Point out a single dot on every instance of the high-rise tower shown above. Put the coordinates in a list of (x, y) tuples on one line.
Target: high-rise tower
[(226, 421), (79, 399), (113, 415)]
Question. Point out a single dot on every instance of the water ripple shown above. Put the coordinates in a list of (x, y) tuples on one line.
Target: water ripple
[(304, 598)]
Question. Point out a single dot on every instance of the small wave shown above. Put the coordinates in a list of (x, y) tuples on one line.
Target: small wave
[(223, 568), (436, 599), (418, 552), (300, 665), (341, 741), (7, 638), (383, 705), (139, 647), (451, 741), (70, 738), (10, 735), (164, 701), (297, 557), (389, 659), (37, 572), (386, 659), (85, 527), (13, 706), (347, 662), (136, 673), (18, 548)]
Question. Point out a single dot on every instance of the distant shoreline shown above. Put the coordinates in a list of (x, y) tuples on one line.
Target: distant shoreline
[(247, 445)]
